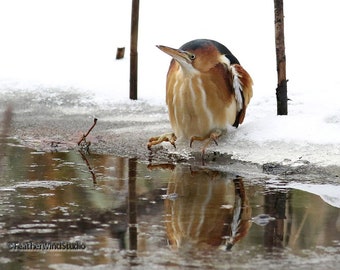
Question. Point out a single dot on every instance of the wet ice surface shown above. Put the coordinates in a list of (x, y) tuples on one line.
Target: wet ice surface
[(223, 213), (54, 119), (176, 216)]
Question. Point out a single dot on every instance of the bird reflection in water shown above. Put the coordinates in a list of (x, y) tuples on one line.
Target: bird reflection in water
[(205, 209)]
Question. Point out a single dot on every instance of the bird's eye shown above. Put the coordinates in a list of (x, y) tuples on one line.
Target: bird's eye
[(192, 56)]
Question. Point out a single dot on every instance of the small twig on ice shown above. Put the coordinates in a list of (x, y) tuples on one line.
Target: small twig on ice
[(88, 132), (82, 142)]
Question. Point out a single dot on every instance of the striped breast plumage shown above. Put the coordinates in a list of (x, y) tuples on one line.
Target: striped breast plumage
[(196, 103)]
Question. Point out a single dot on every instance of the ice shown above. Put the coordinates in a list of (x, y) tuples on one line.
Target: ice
[(72, 45), (329, 193)]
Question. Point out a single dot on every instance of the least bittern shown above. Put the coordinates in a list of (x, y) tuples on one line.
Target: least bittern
[(206, 90)]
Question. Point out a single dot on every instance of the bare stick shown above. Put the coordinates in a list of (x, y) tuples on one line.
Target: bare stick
[(6, 123), (281, 90), (83, 138), (133, 49)]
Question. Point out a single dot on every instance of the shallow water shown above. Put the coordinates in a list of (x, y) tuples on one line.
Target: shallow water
[(72, 210)]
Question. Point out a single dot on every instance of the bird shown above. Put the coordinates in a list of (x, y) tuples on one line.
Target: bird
[(205, 209), (207, 90)]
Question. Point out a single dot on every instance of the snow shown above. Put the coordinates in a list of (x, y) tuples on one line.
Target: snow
[(63, 44)]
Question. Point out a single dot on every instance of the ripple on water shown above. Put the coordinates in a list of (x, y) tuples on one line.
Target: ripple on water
[(41, 184)]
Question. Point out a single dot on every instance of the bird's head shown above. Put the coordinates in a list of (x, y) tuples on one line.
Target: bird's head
[(200, 55), (186, 59)]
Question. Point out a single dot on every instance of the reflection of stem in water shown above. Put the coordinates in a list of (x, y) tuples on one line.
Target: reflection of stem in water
[(275, 206), (132, 207), (89, 167), (297, 235)]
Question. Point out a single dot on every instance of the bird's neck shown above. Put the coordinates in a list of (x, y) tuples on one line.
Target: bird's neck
[(188, 71)]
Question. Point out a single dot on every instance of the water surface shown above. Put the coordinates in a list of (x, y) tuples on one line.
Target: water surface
[(67, 210)]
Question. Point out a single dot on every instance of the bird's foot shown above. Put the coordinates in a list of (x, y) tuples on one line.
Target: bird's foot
[(211, 138), (168, 137)]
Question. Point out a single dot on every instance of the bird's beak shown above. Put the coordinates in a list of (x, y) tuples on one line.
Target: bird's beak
[(177, 54)]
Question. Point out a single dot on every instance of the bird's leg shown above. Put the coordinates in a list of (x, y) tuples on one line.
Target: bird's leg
[(212, 137), (168, 137)]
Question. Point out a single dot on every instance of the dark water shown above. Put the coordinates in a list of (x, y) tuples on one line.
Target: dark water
[(68, 210)]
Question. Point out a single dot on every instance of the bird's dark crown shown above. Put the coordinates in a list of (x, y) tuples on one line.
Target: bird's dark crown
[(200, 43)]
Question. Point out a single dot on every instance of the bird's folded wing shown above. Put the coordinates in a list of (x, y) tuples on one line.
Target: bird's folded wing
[(242, 84)]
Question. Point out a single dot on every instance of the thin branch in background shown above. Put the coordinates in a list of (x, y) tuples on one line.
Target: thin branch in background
[(4, 131), (82, 142), (281, 90), (6, 123), (133, 49)]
